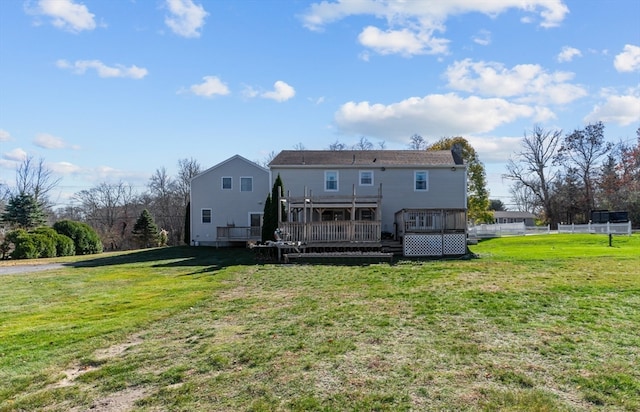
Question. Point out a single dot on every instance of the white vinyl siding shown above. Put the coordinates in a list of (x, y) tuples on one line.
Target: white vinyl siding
[(366, 178), (246, 184), (420, 181), (227, 183), (331, 181)]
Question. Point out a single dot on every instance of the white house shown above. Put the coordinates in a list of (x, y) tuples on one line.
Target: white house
[(347, 198), (359, 196), (227, 202)]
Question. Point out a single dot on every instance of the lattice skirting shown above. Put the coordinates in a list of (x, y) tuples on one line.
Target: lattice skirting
[(435, 245), (455, 244)]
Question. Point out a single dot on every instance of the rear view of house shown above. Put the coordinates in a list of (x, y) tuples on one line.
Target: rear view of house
[(358, 197), (227, 202)]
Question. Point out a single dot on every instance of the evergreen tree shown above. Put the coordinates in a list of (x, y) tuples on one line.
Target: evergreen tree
[(267, 221), (24, 212), (187, 225), (145, 230), (270, 216)]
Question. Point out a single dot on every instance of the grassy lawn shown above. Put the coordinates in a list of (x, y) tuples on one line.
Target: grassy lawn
[(537, 323)]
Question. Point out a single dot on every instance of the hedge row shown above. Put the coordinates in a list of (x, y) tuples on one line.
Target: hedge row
[(66, 238)]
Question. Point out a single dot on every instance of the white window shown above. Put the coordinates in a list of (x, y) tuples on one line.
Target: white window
[(420, 181), (366, 178), (331, 181), (206, 215), (246, 184), (226, 183)]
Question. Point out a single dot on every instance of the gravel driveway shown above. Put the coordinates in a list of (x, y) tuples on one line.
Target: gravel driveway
[(22, 269)]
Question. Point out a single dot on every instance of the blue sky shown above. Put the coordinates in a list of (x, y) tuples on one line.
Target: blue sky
[(109, 91)]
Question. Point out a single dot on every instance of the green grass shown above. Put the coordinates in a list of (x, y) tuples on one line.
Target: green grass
[(537, 323)]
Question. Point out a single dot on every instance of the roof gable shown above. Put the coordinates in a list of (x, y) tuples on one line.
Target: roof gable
[(229, 160), (363, 158)]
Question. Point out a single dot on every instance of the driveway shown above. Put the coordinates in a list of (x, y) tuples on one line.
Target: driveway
[(28, 268)]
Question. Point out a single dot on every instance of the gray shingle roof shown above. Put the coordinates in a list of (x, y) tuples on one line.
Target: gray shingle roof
[(362, 158)]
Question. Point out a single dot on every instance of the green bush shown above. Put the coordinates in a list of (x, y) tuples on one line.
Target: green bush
[(84, 238), (45, 245), (24, 246), (42, 242), (64, 245)]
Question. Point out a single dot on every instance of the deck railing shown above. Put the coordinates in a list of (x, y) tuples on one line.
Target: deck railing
[(238, 233), (332, 231)]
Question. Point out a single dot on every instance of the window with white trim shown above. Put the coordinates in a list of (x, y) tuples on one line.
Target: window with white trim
[(206, 215), (246, 184), (366, 178), (227, 183), (331, 181), (420, 181)]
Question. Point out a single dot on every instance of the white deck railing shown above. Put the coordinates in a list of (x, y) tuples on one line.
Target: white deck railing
[(238, 233), (331, 231)]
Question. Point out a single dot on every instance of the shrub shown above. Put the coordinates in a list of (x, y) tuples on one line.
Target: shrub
[(63, 244), (45, 245), (84, 238), (24, 246)]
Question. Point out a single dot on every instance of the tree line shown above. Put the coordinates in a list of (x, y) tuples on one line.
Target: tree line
[(562, 178), (559, 178), (121, 217)]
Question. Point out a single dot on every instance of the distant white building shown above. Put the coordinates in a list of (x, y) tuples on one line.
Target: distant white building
[(508, 216)]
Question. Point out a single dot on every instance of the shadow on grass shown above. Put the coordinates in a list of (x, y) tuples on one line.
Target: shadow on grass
[(205, 259)]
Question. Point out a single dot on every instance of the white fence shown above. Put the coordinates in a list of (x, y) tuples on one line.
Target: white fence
[(604, 228), (506, 229)]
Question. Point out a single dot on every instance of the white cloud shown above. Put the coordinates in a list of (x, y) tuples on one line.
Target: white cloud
[(526, 82), (432, 115), (81, 66), (405, 42), (628, 60), (623, 110), (483, 38), (492, 149), (48, 141), (568, 53), (186, 18), (64, 168), (15, 155), (210, 87), (102, 174), (11, 159), (4, 136), (249, 92), (411, 24), (281, 92), (67, 15)]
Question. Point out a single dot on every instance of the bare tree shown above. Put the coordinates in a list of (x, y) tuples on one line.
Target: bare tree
[(337, 145), (35, 179), (382, 145), (363, 144), (268, 158), (110, 210), (417, 142), (299, 146), (187, 169), (583, 149), (531, 169)]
